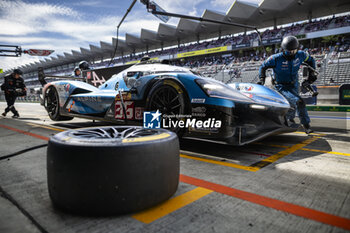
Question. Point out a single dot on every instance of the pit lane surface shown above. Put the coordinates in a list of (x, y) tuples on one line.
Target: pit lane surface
[(285, 183)]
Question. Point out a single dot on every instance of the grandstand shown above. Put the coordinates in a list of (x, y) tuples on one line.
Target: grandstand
[(228, 53)]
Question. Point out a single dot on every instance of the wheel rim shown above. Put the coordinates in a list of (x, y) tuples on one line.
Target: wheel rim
[(167, 100), (111, 132), (52, 102)]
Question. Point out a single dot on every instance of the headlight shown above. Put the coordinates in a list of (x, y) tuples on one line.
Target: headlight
[(257, 107), (217, 89)]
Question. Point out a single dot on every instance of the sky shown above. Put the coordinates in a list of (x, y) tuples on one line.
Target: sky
[(65, 25)]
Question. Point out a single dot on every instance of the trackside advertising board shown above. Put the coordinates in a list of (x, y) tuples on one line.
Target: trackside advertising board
[(202, 52), (344, 94)]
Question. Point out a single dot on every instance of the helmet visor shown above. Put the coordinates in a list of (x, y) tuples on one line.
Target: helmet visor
[(291, 52)]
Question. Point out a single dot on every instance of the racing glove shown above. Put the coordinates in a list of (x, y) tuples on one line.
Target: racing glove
[(21, 92), (312, 77)]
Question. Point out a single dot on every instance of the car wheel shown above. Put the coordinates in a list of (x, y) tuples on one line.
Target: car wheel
[(112, 170), (170, 99), (52, 106)]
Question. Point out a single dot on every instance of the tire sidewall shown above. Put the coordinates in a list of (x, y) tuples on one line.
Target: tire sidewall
[(106, 178), (183, 96)]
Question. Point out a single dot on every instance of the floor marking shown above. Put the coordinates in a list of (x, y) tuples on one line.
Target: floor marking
[(25, 132), (316, 134), (272, 145), (327, 152), (226, 164), (258, 165), (281, 154), (294, 209), (306, 149), (46, 127), (159, 211), (251, 197)]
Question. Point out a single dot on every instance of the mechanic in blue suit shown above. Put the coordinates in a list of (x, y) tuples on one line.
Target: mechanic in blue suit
[(285, 66)]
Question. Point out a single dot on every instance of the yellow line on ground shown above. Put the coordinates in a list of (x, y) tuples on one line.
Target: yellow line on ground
[(328, 152), (234, 165), (316, 134), (46, 127), (306, 149), (273, 145), (263, 163), (159, 211), (289, 150)]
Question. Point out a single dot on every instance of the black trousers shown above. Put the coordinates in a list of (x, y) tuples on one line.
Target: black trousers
[(11, 99)]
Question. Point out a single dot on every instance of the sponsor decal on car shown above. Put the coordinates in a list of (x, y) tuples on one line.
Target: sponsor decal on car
[(248, 88), (125, 95), (129, 110), (97, 81), (199, 112), (67, 87), (89, 99), (198, 101), (139, 113)]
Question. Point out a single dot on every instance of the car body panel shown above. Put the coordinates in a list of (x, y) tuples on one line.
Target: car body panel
[(257, 111)]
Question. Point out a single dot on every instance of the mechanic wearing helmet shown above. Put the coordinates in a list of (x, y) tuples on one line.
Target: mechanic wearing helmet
[(285, 66), (84, 65), (13, 86)]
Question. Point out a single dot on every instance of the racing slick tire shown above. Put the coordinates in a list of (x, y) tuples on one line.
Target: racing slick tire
[(112, 170), (52, 105), (170, 99)]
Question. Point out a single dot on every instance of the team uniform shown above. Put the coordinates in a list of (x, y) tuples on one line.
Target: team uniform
[(13, 87), (285, 72)]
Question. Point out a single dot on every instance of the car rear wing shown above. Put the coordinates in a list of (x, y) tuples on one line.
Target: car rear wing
[(97, 77), (42, 76)]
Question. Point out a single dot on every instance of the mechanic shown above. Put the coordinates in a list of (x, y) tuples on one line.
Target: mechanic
[(84, 65), (285, 66), (13, 86), (77, 72)]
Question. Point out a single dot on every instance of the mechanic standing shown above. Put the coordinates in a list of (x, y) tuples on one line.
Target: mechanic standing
[(13, 86), (285, 66)]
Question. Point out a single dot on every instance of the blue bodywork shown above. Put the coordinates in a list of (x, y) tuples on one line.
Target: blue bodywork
[(247, 110)]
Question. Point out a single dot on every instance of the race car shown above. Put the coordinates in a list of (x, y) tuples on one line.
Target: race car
[(156, 95)]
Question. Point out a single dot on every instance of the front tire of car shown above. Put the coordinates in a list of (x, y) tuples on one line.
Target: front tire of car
[(51, 103), (170, 99)]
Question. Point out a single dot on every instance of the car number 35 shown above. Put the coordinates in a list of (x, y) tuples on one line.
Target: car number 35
[(129, 109)]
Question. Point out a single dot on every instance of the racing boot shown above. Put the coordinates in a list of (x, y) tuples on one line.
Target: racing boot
[(4, 114), (308, 129), (16, 115)]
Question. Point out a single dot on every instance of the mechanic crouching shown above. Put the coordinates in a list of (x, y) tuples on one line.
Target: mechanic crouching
[(13, 86), (285, 66)]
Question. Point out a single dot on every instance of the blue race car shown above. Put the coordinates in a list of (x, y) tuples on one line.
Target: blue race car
[(155, 95)]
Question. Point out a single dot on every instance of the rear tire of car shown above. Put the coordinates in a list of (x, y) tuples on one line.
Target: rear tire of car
[(94, 172), (52, 105)]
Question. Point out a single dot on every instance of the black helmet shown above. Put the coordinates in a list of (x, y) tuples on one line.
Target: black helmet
[(289, 43), (145, 58), (84, 65), (17, 71)]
